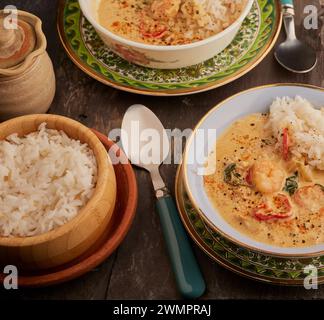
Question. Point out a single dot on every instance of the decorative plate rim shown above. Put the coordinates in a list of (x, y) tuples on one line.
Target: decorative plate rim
[(213, 255), (169, 92)]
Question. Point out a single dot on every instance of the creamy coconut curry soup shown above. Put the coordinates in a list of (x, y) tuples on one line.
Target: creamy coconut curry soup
[(168, 22), (269, 179)]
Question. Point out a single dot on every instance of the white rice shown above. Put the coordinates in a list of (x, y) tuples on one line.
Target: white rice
[(46, 178), (306, 128), (214, 15), (220, 10)]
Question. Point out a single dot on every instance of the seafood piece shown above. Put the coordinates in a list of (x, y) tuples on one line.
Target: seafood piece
[(165, 9), (267, 177), (278, 207), (311, 198)]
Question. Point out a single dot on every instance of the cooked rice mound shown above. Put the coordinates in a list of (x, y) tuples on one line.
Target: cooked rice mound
[(46, 178), (305, 125)]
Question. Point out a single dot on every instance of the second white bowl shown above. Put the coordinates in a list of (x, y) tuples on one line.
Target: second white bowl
[(163, 57)]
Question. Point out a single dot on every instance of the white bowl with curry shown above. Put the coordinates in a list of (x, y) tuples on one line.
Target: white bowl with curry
[(166, 34), (254, 169)]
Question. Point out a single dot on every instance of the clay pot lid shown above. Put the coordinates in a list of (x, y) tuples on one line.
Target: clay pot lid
[(15, 44)]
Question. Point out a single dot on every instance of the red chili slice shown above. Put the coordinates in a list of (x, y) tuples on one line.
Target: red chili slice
[(248, 177), (285, 144), (156, 34), (282, 209), (262, 212)]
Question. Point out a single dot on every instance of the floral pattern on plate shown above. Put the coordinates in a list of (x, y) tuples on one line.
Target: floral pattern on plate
[(256, 36)]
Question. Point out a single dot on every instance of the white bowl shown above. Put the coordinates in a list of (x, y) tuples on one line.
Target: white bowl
[(163, 57), (220, 117)]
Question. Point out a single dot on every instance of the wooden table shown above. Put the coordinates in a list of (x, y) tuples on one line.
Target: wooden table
[(140, 269)]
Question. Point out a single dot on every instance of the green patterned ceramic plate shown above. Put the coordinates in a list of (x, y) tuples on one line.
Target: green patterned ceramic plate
[(254, 265), (255, 39)]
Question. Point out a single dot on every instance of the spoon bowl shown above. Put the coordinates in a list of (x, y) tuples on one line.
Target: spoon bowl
[(293, 54), (296, 56), (145, 141)]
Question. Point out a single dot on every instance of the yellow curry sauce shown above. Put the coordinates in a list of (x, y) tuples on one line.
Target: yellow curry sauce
[(167, 22), (252, 177)]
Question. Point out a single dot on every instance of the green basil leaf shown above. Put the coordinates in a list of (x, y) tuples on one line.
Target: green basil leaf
[(232, 177), (291, 184)]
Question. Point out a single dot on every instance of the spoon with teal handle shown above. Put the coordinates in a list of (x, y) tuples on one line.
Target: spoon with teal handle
[(293, 54), (146, 144)]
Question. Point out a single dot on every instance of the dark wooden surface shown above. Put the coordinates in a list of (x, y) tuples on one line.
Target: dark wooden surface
[(140, 269)]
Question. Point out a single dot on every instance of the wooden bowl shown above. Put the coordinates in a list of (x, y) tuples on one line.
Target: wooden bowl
[(117, 230), (69, 241)]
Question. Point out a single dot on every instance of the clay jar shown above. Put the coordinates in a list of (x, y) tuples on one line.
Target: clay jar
[(27, 80)]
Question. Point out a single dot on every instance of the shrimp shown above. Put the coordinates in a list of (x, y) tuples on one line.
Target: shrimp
[(165, 9), (311, 198), (279, 207), (267, 177)]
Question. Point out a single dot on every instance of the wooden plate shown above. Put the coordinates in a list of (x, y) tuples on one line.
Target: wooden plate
[(121, 221)]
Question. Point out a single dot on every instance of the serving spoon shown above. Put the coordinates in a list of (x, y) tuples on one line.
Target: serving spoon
[(293, 54), (140, 129)]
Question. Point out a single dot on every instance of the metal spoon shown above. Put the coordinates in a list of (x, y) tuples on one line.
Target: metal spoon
[(293, 54), (140, 125)]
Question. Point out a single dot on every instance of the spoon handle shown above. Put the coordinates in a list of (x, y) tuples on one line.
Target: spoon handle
[(287, 2), (188, 276)]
